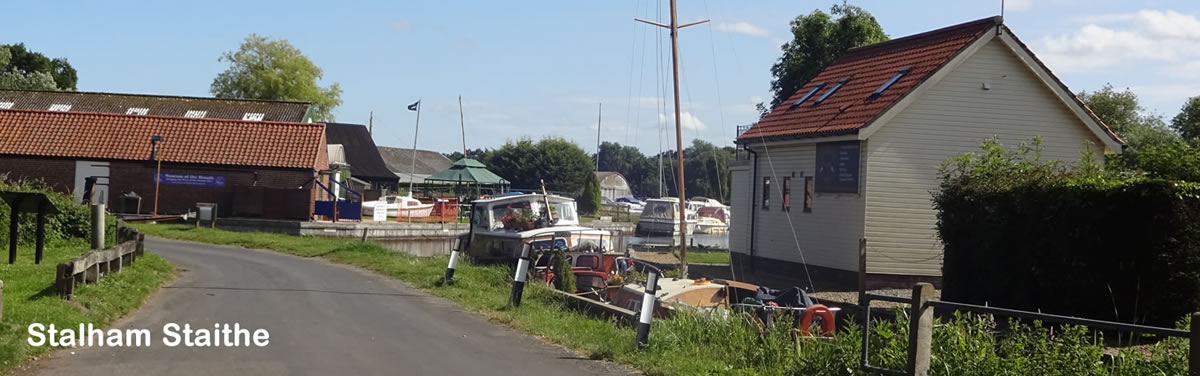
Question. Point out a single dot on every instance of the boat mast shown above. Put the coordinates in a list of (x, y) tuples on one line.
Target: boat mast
[(675, 26), (414, 155), (462, 123), (599, 113)]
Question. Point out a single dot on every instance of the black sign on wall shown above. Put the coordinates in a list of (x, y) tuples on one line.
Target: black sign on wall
[(837, 167)]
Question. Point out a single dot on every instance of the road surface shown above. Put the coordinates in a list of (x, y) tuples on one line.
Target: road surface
[(323, 319)]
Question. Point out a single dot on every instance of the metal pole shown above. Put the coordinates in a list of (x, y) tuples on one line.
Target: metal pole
[(97, 226), (643, 326), (462, 124), (157, 181), (599, 113), (414, 158), (519, 279), (683, 266)]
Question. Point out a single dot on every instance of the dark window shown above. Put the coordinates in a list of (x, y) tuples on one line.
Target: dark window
[(831, 91), (808, 194), (766, 197), (787, 194), (890, 82), (808, 95)]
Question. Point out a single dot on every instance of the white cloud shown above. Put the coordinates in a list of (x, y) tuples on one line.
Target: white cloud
[(1145, 36), (687, 121), (1018, 5), (400, 26), (744, 28)]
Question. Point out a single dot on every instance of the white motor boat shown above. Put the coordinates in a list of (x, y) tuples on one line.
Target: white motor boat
[(713, 220), (660, 217), (399, 207)]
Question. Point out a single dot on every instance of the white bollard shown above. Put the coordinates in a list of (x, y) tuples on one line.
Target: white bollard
[(519, 279), (648, 298), (450, 268)]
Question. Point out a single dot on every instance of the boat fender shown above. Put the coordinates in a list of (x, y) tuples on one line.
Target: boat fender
[(828, 326)]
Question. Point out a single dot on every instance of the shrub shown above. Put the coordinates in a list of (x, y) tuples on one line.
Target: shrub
[(564, 278), (1028, 234), (589, 201), (73, 220)]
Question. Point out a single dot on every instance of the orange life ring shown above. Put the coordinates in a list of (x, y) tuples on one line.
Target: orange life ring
[(828, 326)]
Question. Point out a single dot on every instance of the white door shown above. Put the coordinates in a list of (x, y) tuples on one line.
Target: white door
[(85, 169)]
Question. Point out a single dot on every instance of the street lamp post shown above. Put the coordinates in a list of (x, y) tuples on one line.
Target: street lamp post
[(157, 171)]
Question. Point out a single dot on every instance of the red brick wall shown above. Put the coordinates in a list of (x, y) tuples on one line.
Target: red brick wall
[(127, 176)]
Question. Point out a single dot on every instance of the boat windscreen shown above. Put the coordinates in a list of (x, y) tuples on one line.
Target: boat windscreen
[(659, 209)]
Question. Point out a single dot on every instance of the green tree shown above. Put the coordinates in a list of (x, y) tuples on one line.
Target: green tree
[(23, 69), (564, 277), (476, 154), (275, 70), (1122, 112), (563, 165), (1187, 122), (589, 200), (817, 40)]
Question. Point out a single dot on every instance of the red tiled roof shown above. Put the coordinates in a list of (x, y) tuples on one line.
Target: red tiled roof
[(867, 68), (127, 137)]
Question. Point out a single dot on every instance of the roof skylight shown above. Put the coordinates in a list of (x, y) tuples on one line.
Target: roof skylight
[(6, 105), (253, 116), (890, 82), (141, 111), (195, 114), (60, 107), (831, 91), (808, 95)]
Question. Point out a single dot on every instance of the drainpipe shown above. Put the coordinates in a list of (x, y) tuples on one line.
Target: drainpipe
[(753, 205)]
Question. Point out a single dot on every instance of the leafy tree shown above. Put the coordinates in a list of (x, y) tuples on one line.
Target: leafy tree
[(1187, 122), (563, 165), (27, 70), (818, 40), (275, 70), (476, 154), (1123, 114), (589, 201)]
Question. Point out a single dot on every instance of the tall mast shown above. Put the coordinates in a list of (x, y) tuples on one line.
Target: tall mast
[(462, 123), (675, 26), (599, 113)]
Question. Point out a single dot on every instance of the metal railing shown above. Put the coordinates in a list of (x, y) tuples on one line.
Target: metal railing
[(922, 306)]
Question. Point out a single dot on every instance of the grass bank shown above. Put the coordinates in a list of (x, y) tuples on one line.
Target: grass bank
[(706, 255), (697, 344), (29, 297)]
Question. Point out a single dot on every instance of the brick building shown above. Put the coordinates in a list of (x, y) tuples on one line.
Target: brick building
[(249, 168)]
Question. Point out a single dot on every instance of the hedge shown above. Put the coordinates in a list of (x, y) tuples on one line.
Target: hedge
[(1024, 234)]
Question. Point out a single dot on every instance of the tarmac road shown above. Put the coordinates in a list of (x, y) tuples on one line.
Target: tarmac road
[(323, 319)]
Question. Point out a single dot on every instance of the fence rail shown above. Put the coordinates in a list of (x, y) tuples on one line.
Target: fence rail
[(92, 265), (921, 307)]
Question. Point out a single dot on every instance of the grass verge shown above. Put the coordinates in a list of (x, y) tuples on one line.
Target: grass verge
[(29, 297), (702, 344), (706, 256)]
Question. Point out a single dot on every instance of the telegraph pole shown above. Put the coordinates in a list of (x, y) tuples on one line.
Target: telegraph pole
[(675, 26)]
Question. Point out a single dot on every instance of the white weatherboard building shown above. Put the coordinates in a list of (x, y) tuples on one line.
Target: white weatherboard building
[(853, 155)]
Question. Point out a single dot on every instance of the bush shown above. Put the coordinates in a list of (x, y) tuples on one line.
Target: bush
[(589, 201), (1027, 234), (564, 278), (73, 220)]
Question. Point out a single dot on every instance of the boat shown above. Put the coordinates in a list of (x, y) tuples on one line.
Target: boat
[(634, 205), (501, 227), (712, 220), (660, 217), (399, 207)]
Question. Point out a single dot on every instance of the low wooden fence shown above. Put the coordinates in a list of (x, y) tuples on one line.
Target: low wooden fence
[(95, 264), (922, 304)]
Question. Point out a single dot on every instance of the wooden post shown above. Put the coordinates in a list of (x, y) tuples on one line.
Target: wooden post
[(920, 330), (364, 237), (64, 280), (1, 301), (1194, 355), (141, 247), (12, 231), (40, 246), (97, 226)]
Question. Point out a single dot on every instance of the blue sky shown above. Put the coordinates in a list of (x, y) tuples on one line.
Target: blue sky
[(540, 68)]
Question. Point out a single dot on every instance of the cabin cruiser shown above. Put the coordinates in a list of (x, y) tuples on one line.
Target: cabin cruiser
[(502, 226), (399, 207), (660, 217), (712, 220)]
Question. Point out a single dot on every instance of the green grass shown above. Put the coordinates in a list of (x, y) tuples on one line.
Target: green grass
[(29, 298), (700, 344), (706, 256)]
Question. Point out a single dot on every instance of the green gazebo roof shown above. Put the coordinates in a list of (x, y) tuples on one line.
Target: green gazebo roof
[(468, 170)]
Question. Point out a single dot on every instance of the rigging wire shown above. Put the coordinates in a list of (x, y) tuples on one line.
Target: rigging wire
[(632, 59), (720, 105)]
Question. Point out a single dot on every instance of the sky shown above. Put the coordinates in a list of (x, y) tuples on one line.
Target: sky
[(558, 68)]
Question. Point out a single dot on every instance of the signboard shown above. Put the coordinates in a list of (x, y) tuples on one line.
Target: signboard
[(837, 167), (380, 213), (189, 179)]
